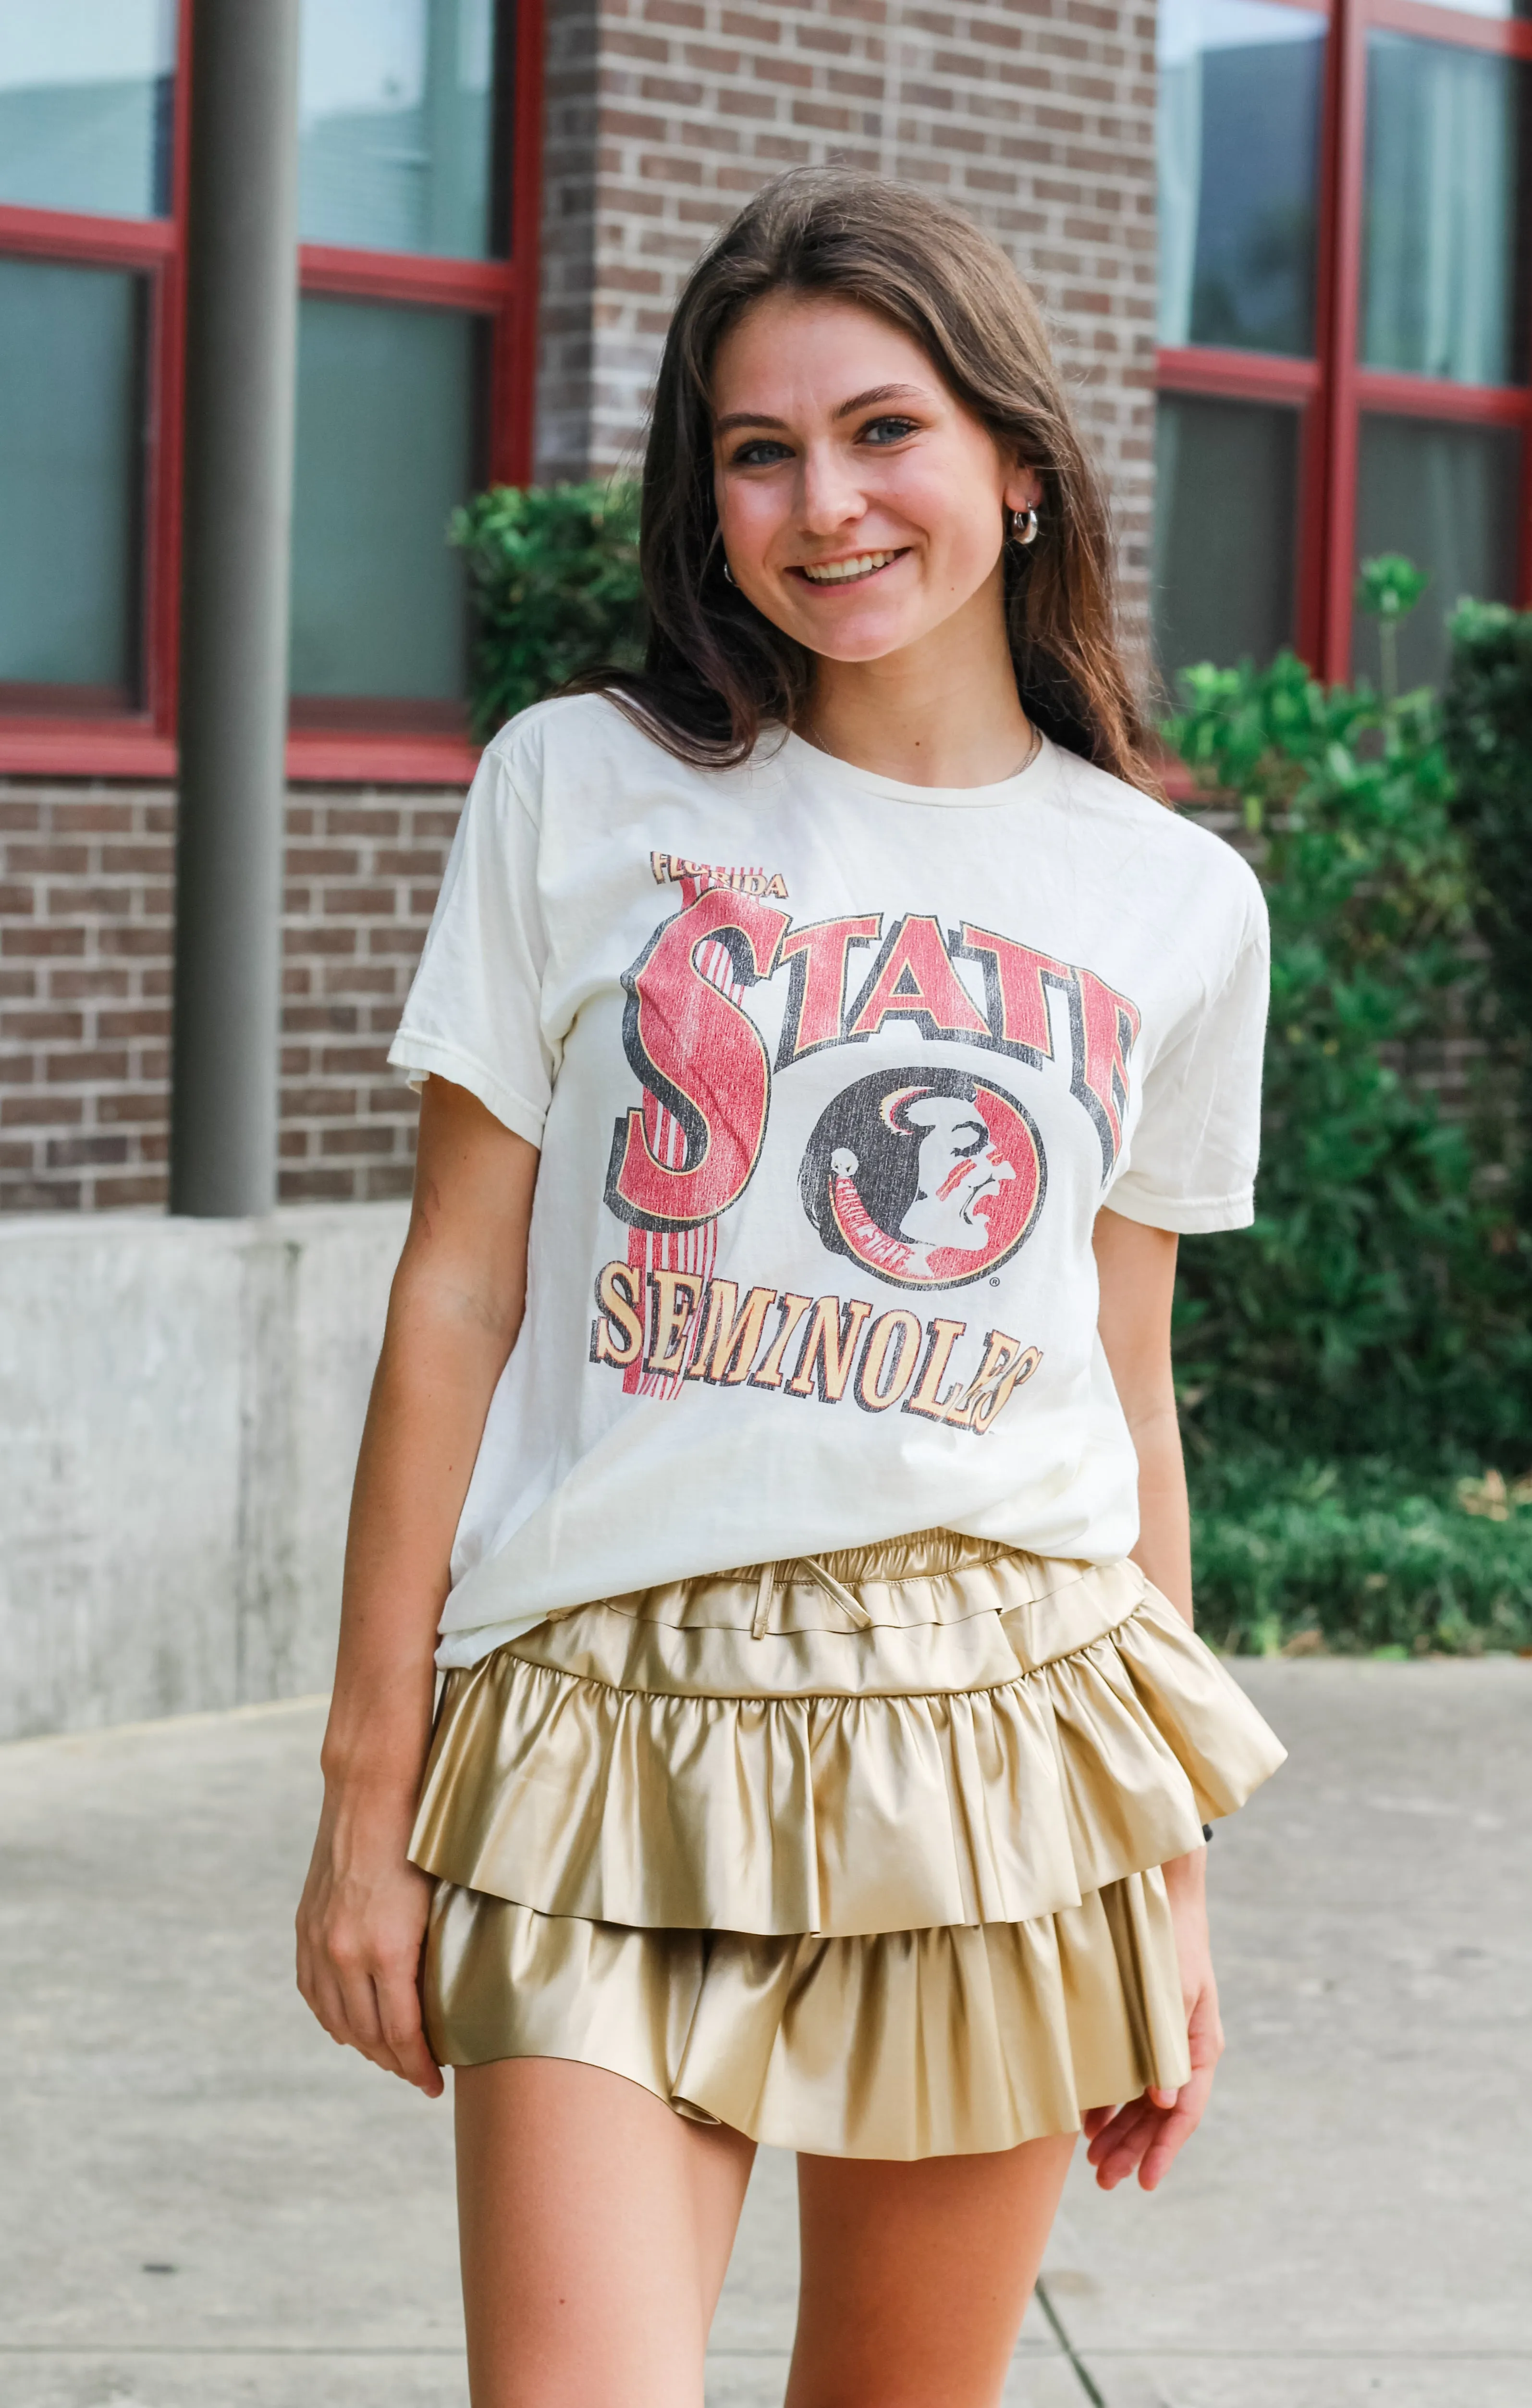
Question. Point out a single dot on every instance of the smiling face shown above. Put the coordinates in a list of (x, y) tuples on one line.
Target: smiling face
[(861, 506)]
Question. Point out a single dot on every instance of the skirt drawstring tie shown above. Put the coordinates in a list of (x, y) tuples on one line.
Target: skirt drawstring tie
[(773, 1575)]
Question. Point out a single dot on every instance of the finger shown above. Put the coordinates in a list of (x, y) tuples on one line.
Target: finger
[(1205, 2046), (1123, 2149), (399, 2015), (326, 2003), (1176, 2130), (1111, 2135), (364, 2030), (1123, 2142), (1131, 2159), (1205, 2030), (1134, 2128), (402, 2047), (1166, 2147), (419, 2067), (1205, 2043), (1096, 2120)]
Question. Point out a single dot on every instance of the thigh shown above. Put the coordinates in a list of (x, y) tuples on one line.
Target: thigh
[(916, 2277), (595, 2226)]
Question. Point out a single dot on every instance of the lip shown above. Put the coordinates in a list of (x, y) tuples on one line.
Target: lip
[(893, 555)]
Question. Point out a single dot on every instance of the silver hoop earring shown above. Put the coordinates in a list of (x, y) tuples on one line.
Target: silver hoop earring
[(1023, 525), (728, 573)]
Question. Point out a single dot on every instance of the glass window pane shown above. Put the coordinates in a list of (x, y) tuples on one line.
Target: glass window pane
[(85, 105), (1446, 497), (1225, 513), (397, 115), (1440, 237), (1240, 88), (386, 449), (71, 420)]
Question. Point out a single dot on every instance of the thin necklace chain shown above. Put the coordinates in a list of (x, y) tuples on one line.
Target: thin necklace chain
[(1034, 748)]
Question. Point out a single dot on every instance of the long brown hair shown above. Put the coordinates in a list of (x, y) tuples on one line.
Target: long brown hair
[(716, 671)]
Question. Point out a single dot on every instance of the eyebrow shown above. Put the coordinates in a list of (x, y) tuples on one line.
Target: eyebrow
[(847, 409)]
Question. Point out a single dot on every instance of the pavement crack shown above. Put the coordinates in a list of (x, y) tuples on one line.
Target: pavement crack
[(1077, 2365)]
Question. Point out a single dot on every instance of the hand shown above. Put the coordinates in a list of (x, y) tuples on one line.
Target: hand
[(360, 1923), (1147, 2134)]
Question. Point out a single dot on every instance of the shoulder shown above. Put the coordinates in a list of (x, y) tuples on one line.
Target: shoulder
[(569, 739), (1183, 866)]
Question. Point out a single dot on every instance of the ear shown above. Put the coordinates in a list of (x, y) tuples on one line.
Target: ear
[(1023, 489)]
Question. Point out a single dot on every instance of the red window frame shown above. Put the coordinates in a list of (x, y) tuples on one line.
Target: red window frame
[(1332, 389), (142, 743)]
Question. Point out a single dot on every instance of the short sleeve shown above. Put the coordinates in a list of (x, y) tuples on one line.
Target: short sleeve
[(474, 1011), (1192, 1156)]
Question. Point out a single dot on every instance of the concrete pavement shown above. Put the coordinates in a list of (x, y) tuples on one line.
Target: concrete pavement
[(205, 2205)]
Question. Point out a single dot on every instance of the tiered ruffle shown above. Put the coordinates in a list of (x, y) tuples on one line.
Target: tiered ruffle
[(860, 1858)]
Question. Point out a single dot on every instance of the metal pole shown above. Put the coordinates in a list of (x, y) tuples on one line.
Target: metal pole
[(241, 350)]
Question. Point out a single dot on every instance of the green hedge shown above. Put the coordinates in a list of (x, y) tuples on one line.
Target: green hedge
[(1351, 1364), (1379, 1304), (1358, 1558), (1487, 729), (553, 580)]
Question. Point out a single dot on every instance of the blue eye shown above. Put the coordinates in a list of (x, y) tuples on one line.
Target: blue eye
[(758, 454), (888, 430)]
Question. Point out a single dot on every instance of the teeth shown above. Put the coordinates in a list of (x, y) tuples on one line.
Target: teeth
[(835, 572)]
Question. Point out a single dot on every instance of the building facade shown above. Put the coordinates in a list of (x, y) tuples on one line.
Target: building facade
[(498, 201)]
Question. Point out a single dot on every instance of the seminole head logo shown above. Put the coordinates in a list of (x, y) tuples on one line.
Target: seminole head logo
[(929, 1178)]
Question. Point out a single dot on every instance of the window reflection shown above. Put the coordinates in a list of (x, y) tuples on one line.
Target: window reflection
[(1446, 497), (1241, 87), (1439, 243), (396, 114), (1225, 510), (386, 448), (71, 427), (85, 105), (1502, 8)]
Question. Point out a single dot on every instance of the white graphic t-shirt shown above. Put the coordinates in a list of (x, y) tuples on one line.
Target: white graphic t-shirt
[(831, 1076)]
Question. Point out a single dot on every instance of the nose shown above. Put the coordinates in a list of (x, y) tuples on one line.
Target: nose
[(829, 496)]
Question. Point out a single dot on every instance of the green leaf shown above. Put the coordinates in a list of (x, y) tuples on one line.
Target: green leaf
[(555, 584)]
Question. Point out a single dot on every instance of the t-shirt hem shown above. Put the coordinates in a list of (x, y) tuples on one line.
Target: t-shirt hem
[(420, 1058), (459, 1651), (1188, 1216)]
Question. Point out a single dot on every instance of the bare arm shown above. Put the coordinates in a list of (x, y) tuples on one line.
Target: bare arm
[(453, 1314), (1137, 1269)]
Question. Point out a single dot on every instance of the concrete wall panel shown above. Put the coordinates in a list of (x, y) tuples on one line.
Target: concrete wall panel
[(179, 1407)]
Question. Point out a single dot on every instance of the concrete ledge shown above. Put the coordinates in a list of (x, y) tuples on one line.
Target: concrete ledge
[(179, 1407)]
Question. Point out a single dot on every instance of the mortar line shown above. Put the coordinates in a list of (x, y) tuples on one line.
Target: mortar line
[(1081, 2374)]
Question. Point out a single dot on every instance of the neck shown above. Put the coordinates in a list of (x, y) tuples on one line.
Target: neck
[(943, 712)]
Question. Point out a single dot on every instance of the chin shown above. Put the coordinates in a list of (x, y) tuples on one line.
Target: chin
[(869, 640)]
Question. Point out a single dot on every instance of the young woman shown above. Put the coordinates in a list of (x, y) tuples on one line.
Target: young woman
[(823, 1035)]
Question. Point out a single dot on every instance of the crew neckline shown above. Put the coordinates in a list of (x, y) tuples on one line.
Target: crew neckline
[(796, 754)]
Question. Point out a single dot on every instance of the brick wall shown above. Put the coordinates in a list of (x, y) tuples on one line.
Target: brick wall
[(85, 975), (1036, 116)]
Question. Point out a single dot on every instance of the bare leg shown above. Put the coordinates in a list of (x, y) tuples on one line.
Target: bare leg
[(916, 2277), (596, 2227)]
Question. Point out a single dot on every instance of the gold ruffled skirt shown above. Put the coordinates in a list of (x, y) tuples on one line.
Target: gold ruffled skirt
[(858, 1853)]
